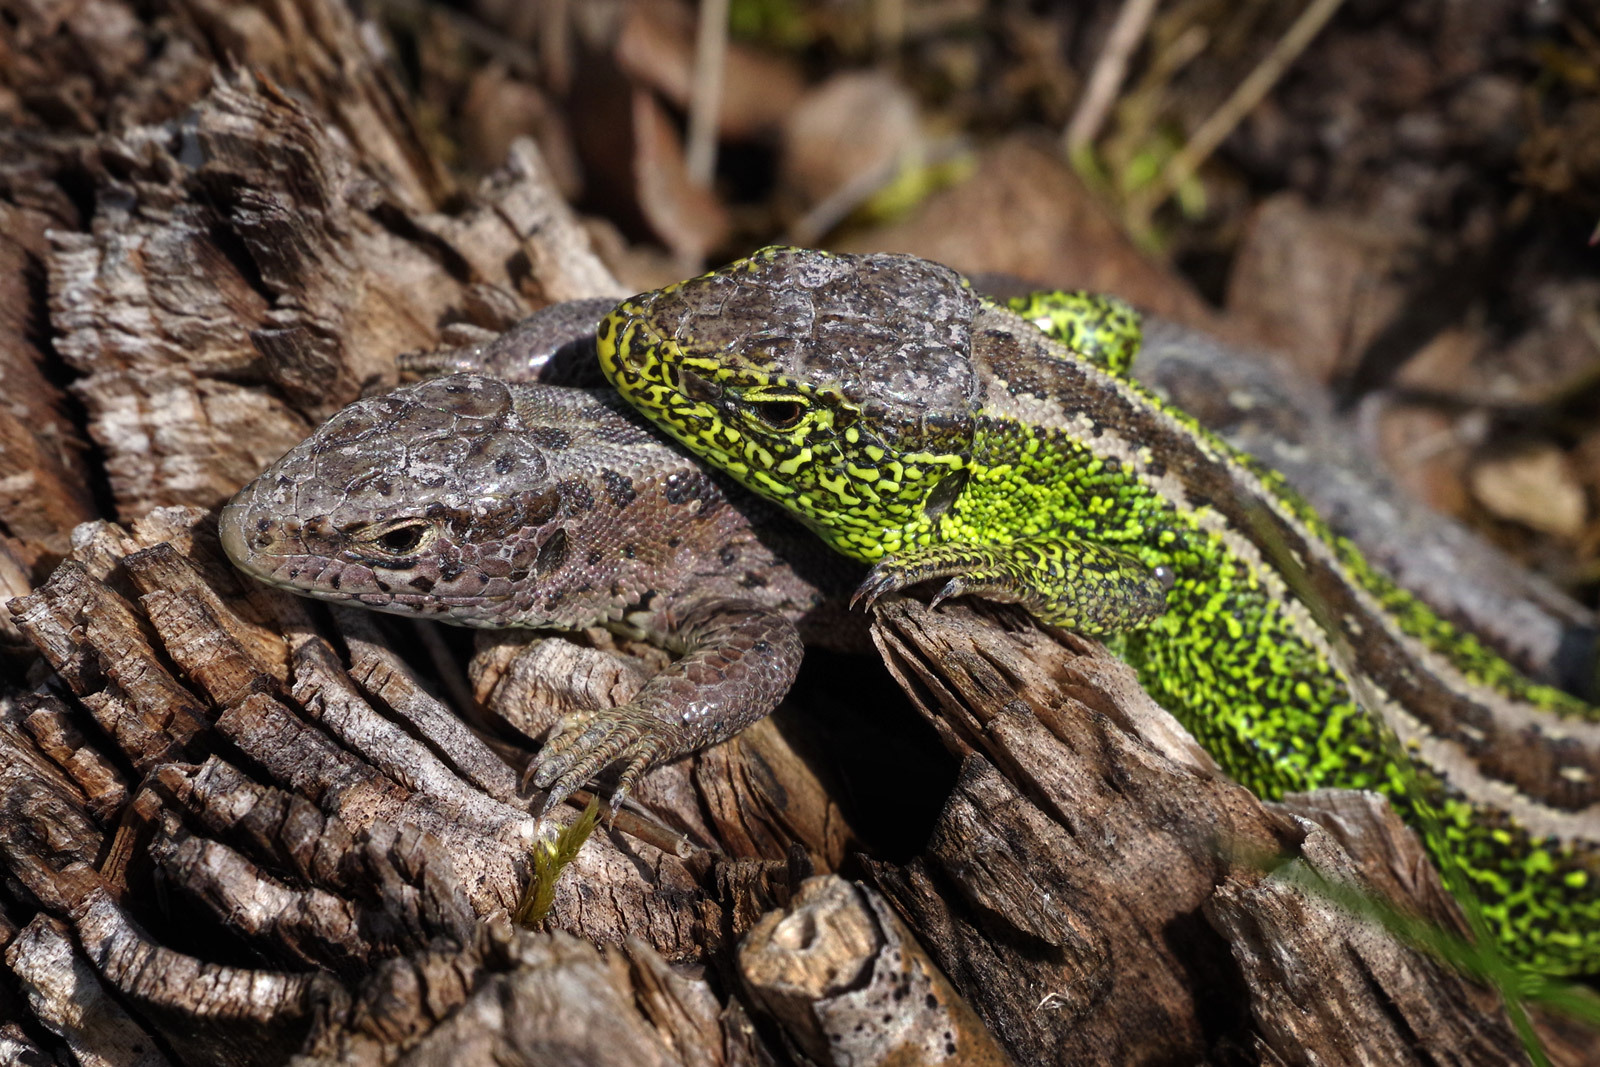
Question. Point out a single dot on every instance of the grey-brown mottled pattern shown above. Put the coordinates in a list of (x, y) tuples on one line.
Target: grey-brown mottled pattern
[(554, 344), (486, 503)]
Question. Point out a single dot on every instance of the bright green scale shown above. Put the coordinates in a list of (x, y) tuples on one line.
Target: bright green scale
[(916, 425)]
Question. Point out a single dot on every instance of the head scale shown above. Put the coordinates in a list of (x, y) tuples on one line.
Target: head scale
[(839, 385), (435, 499)]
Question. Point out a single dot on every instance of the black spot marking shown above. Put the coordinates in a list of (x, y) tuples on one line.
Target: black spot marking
[(575, 497), (727, 555), (552, 554), (422, 583), (450, 569), (619, 487), (551, 437), (945, 493), (752, 580), (680, 487), (630, 551), (594, 557), (504, 462)]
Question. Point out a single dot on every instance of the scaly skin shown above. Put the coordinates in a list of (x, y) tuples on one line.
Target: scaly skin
[(916, 425), (480, 502)]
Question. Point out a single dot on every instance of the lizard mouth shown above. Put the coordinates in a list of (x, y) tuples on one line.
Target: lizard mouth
[(276, 554)]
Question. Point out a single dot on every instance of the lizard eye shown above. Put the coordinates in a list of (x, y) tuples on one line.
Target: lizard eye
[(779, 414), (404, 539)]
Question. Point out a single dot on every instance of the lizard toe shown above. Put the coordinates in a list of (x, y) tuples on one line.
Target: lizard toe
[(882, 580), (640, 759), (575, 737), (586, 743), (953, 588)]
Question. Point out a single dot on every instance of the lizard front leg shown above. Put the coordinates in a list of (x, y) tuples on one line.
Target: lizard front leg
[(1063, 580), (738, 661)]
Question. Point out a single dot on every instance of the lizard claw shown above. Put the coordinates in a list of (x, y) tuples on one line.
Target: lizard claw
[(586, 743), (880, 581), (953, 588)]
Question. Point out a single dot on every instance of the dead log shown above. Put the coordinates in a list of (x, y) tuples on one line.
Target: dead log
[(237, 827)]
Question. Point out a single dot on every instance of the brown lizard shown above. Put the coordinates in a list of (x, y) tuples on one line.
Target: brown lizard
[(485, 502)]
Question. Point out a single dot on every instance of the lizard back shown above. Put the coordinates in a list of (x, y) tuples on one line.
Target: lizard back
[(1074, 476)]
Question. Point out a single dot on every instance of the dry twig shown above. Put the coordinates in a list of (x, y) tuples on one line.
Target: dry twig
[(1106, 78), (1181, 167), (705, 95)]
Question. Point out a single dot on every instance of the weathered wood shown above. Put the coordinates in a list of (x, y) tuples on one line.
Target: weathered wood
[(44, 490), (236, 826), (851, 986), (388, 847), (1093, 862)]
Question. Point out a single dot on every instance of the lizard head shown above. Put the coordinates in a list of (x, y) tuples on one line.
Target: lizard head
[(837, 385), (435, 499)]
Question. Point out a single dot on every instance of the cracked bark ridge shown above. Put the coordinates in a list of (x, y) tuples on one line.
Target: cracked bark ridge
[(1101, 893), (45, 490), (852, 988), (234, 826), (212, 776)]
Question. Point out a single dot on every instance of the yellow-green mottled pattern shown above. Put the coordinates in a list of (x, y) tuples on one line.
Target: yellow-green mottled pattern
[(1035, 472), (1100, 328)]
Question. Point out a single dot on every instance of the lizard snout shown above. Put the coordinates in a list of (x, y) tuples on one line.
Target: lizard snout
[(231, 528)]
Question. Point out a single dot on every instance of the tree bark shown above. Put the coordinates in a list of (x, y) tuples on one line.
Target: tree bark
[(238, 827)]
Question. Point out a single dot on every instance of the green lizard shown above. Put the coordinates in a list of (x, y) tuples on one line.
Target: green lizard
[(940, 435)]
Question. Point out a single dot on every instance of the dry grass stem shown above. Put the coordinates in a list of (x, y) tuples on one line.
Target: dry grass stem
[(705, 95), (1109, 71)]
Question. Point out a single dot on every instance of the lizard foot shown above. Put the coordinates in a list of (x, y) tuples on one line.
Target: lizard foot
[(897, 574), (585, 743), (1062, 580)]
